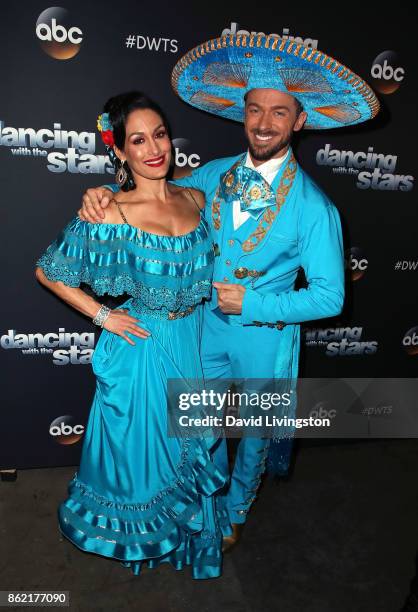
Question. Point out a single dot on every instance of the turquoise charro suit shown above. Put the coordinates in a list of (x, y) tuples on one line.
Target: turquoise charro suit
[(295, 227), (301, 229), (264, 255)]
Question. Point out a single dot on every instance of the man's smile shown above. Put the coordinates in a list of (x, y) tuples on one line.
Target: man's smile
[(263, 138)]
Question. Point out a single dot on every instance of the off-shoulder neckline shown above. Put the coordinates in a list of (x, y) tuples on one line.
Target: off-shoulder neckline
[(141, 231)]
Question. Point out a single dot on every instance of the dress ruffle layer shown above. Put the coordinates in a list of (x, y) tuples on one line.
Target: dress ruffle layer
[(169, 528), (113, 259)]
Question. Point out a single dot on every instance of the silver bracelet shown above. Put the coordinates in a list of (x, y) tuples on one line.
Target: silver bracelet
[(101, 315)]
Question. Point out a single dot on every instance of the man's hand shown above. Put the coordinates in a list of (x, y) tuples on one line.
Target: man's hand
[(94, 201), (230, 297)]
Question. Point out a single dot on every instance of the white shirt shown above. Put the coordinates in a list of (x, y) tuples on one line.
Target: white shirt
[(268, 171)]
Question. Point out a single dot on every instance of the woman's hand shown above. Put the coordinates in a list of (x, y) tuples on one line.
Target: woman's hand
[(95, 200), (119, 322)]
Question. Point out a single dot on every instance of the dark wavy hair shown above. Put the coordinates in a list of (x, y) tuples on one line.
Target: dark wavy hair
[(119, 108)]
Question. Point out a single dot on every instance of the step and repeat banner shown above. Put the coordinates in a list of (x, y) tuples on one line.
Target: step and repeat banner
[(60, 64)]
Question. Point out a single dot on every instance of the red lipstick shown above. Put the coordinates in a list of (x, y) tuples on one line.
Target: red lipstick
[(155, 162)]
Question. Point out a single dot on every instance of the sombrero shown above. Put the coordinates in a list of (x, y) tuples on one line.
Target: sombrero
[(215, 76)]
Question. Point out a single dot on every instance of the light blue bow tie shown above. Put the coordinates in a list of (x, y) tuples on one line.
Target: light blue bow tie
[(249, 187)]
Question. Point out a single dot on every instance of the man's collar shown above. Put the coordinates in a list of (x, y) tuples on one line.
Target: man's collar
[(269, 166)]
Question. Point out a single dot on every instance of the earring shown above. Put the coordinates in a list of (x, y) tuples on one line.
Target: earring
[(121, 175)]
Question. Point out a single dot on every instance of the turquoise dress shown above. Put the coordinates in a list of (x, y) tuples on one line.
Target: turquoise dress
[(140, 496)]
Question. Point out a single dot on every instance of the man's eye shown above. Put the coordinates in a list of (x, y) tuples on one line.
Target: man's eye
[(279, 114)]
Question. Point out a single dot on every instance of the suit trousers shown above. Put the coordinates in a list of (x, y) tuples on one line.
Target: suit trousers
[(230, 350)]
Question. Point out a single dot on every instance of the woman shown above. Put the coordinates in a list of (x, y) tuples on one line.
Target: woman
[(139, 495)]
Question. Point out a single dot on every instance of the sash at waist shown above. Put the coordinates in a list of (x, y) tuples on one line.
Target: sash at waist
[(160, 313)]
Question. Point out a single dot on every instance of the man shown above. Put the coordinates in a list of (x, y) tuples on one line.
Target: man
[(269, 219)]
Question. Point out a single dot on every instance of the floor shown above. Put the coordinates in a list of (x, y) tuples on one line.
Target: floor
[(339, 535)]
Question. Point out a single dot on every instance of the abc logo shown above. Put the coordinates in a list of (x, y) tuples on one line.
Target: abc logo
[(386, 73), (59, 37), (321, 411), (410, 341), (356, 262), (65, 431), (182, 155)]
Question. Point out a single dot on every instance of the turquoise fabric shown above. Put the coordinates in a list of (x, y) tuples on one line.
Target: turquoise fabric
[(140, 496), (118, 258), (306, 233), (215, 76), (249, 187)]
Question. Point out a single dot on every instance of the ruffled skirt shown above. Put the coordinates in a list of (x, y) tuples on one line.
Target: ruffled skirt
[(140, 496)]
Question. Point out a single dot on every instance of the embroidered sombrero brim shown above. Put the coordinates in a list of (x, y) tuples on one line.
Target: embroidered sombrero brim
[(215, 76)]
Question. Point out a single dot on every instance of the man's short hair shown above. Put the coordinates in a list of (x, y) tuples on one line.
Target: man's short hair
[(299, 106)]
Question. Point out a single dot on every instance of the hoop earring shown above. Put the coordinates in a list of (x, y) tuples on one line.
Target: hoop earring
[(121, 175)]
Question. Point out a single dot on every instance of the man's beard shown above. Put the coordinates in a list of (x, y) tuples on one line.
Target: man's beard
[(266, 153)]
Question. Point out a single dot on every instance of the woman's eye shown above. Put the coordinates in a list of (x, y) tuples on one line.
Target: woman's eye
[(138, 141), (161, 134)]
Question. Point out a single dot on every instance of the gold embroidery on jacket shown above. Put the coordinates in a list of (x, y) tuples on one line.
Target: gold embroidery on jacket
[(216, 202), (269, 215), (216, 211)]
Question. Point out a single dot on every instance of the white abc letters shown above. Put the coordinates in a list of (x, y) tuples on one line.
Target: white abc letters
[(358, 264), (181, 159), (65, 430), (411, 340), (58, 33), (322, 413), (386, 72)]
